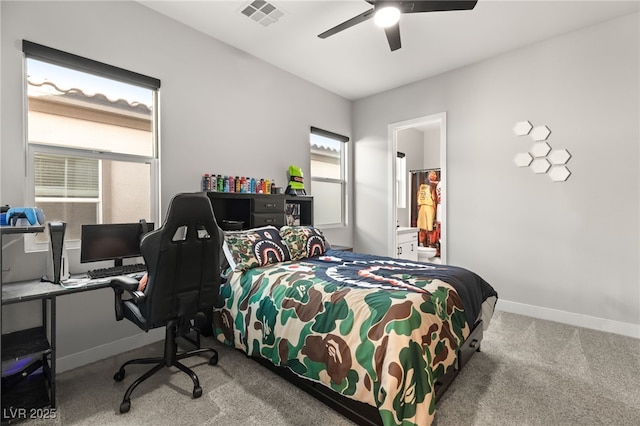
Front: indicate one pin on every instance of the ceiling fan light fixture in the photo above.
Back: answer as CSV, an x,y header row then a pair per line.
x,y
387,16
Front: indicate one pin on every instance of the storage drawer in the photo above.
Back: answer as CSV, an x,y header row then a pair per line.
x,y
268,204
264,219
408,237
470,345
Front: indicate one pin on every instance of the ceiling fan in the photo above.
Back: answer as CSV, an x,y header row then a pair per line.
x,y
387,15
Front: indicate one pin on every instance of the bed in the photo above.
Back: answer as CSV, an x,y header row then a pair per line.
x,y
375,337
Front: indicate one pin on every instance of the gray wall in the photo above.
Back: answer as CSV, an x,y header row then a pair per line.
x,y
222,111
563,251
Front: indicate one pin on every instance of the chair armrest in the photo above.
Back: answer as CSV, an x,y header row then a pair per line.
x,y
125,283
121,284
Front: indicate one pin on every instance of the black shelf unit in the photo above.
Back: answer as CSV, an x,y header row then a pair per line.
x,y
28,360
25,399
302,205
8,230
255,210
22,343
26,373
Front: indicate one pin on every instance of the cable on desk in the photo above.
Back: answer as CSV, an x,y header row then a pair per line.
x,y
75,282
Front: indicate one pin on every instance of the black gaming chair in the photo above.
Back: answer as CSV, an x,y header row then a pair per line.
x,y
182,259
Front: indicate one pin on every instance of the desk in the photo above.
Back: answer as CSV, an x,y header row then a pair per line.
x,y
24,291
30,349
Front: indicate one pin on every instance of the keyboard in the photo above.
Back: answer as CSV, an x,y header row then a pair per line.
x,y
114,271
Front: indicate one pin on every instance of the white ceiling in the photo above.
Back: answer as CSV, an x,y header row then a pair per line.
x,y
357,62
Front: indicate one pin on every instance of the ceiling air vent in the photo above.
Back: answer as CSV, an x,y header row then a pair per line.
x,y
262,12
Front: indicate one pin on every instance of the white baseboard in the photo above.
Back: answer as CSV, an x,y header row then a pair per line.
x,y
72,361
579,320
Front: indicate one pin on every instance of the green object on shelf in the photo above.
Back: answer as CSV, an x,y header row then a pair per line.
x,y
296,181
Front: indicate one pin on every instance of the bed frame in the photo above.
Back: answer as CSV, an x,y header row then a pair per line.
x,y
365,414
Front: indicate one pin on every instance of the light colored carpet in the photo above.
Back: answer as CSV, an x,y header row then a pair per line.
x,y
536,372
530,372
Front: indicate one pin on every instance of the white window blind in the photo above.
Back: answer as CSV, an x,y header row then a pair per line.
x,y
66,177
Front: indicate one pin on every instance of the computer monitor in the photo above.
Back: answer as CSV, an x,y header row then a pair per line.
x,y
112,241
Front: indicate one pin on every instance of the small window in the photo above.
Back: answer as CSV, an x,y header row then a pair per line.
x,y
91,141
327,172
401,180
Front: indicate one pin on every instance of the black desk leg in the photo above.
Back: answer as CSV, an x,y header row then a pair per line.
x,y
49,368
53,352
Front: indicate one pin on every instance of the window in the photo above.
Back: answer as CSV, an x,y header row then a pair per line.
x,y
328,182
401,180
91,141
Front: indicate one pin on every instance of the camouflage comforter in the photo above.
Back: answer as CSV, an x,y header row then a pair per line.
x,y
377,330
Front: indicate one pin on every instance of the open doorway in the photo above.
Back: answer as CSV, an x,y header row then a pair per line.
x,y
421,144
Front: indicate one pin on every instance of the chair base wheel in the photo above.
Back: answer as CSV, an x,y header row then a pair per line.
x,y
214,359
125,406
119,376
197,392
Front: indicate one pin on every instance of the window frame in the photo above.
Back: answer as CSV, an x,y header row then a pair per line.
x,y
46,54
343,174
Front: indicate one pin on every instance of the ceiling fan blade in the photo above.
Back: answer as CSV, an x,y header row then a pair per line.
x,y
348,24
436,6
393,36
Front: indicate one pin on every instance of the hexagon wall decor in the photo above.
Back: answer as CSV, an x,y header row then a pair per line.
x,y
559,156
540,149
540,165
541,158
523,159
540,133
522,128
559,173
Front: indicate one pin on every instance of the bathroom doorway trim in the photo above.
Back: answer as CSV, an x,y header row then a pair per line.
x,y
441,120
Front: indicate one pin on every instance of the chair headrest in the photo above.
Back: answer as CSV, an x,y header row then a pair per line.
x,y
189,210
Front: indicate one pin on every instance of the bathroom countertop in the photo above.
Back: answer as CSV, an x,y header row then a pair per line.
x,y
405,229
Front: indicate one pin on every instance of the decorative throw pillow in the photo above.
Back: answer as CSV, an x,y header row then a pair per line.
x,y
303,241
254,247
